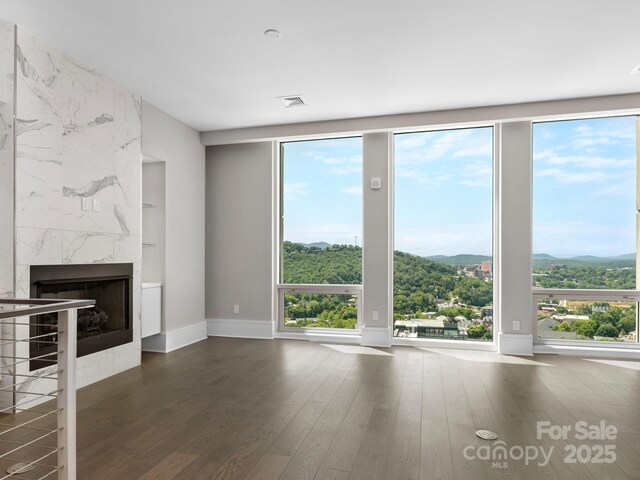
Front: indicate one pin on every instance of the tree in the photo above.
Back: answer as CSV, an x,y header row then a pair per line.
x,y
474,291
477,331
562,327
586,328
607,330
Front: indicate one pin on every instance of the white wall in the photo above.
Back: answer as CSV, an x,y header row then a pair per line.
x,y
168,140
239,197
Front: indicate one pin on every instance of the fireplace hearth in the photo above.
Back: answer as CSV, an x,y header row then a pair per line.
x,y
106,325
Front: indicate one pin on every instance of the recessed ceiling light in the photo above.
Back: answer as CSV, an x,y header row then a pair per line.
x,y
293,101
636,69
272,33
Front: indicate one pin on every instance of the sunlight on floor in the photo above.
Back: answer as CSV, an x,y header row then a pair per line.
x,y
486,357
357,350
630,364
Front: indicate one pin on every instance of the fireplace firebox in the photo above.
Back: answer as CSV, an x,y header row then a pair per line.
x,y
106,325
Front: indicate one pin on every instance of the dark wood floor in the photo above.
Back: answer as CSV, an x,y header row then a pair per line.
x,y
262,409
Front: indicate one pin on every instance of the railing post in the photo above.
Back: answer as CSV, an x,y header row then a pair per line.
x,y
67,327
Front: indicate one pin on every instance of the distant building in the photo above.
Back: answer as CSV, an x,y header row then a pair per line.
x,y
440,327
486,266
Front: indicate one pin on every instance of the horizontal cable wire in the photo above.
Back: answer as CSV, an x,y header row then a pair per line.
x,y
23,424
24,445
35,462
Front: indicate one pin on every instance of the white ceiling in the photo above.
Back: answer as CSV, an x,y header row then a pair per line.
x,y
209,64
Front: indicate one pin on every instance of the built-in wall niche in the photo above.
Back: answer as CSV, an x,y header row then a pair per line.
x,y
106,325
153,220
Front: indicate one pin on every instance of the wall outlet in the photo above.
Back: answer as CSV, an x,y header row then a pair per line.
x,y
516,325
236,309
96,205
85,204
375,315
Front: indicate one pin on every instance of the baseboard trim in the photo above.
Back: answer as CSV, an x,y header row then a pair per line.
x,y
166,342
515,344
376,337
219,327
349,339
451,344
588,352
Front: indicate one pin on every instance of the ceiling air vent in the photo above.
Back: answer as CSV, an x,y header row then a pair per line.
x,y
293,101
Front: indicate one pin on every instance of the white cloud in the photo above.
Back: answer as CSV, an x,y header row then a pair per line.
x,y
549,172
426,147
483,149
625,188
476,174
295,190
333,161
582,177
592,161
355,190
346,170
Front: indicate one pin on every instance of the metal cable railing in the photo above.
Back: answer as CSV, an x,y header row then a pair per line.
x,y
37,393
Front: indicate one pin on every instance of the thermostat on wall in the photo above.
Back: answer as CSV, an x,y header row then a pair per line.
x,y
376,183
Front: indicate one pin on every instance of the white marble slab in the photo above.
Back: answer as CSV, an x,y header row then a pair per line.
x,y
38,246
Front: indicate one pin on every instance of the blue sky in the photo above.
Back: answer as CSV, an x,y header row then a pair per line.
x,y
584,187
584,190
443,192
323,191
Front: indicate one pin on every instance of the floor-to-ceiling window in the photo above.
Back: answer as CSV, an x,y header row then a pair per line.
x,y
585,230
321,234
443,235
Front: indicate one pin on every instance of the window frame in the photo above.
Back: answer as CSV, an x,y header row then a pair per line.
x,y
495,237
587,293
591,295
283,288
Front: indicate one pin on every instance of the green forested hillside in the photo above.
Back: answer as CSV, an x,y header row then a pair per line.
x,y
418,282
336,264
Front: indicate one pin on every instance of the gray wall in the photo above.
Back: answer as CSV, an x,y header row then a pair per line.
x,y
238,212
166,139
514,242
376,268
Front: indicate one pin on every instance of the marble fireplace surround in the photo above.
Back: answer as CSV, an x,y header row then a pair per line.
x,y
77,182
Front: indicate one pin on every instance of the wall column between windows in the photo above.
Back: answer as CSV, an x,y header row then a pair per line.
x,y
376,271
514,243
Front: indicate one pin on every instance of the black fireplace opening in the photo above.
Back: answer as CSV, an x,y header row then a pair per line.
x,y
105,325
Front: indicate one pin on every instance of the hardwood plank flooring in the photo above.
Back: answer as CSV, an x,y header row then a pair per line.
x,y
241,409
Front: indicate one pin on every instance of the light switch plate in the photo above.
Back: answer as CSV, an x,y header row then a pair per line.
x,y
85,204
516,325
374,315
96,205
